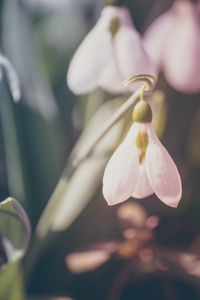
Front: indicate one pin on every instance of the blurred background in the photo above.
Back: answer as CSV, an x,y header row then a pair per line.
x,y
121,252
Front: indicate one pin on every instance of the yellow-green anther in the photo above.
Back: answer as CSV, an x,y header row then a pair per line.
x,y
142,143
114,2
114,26
142,112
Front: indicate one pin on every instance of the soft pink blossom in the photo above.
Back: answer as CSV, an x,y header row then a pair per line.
x,y
173,42
104,59
130,174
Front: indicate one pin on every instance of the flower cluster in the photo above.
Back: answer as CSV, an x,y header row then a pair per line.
x,y
114,50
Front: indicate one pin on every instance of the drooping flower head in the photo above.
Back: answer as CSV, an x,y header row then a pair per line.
x,y
141,165
112,51
173,43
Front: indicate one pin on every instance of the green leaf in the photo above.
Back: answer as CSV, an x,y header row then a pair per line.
x,y
15,232
11,282
193,141
14,223
20,48
74,192
157,100
14,156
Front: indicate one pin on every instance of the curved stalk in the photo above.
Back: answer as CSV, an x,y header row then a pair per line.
x,y
43,228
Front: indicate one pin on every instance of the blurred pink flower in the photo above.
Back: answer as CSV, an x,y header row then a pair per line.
x,y
111,52
173,43
140,167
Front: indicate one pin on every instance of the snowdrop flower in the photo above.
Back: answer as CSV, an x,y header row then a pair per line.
x,y
112,51
141,165
173,42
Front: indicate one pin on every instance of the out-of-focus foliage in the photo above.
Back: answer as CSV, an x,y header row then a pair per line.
x,y
91,169
193,143
15,236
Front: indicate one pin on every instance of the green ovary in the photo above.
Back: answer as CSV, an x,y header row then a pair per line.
x,y
114,26
142,143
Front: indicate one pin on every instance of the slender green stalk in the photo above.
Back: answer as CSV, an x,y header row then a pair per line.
x,y
74,162
14,162
43,230
120,281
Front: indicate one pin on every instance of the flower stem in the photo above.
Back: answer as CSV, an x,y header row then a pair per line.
x,y
74,162
147,86
43,231
120,281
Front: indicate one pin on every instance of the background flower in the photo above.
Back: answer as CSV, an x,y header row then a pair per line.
x,y
111,52
173,42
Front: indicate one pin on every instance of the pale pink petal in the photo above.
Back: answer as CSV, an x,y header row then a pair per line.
x,y
80,262
172,41
121,173
156,36
162,171
90,59
143,188
131,56
181,59
112,77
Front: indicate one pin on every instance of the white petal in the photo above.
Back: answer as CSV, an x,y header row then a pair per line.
x,y
143,188
121,173
111,79
113,75
131,56
162,171
90,59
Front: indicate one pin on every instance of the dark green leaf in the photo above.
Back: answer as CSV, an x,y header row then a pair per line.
x,y
15,232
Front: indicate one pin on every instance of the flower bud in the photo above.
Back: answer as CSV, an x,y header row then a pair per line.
x,y
114,2
142,112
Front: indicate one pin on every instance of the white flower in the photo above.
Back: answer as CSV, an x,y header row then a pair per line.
x,y
111,52
173,42
140,167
